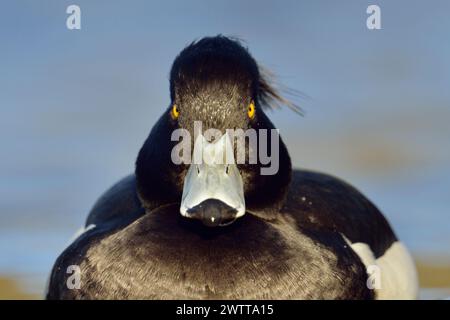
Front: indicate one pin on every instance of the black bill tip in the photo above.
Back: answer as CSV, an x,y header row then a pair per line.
x,y
213,213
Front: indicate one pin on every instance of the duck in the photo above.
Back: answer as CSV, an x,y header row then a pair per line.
x,y
198,229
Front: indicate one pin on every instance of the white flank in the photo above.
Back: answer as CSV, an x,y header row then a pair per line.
x,y
398,275
79,232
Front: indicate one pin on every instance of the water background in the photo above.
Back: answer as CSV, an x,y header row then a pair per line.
x,y
75,106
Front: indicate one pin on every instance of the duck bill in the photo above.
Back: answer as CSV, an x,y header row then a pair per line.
x,y
213,189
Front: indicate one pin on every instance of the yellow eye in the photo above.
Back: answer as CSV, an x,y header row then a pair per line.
x,y
251,110
174,113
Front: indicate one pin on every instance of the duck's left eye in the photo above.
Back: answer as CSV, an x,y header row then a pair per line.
x,y
251,110
174,112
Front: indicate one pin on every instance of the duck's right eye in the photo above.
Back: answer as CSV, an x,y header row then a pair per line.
x,y
174,112
251,110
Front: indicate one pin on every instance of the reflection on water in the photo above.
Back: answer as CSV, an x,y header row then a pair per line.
x,y
76,107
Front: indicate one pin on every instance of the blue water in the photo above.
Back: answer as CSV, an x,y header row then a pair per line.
x,y
77,105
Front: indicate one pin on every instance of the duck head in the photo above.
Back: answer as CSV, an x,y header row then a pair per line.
x,y
214,151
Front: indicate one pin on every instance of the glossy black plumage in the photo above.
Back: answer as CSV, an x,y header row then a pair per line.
x,y
289,244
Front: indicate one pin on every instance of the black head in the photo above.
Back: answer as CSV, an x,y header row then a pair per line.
x,y
216,81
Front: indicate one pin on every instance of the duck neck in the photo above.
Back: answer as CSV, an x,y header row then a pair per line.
x,y
265,194
159,180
